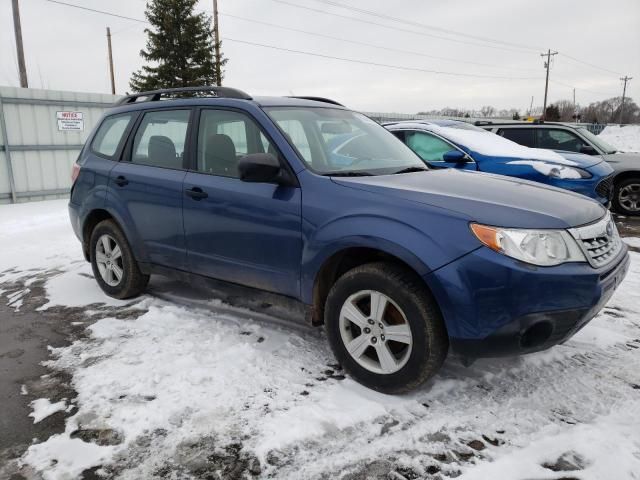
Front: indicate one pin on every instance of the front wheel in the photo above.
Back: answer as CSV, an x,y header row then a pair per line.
x,y
626,197
113,263
385,328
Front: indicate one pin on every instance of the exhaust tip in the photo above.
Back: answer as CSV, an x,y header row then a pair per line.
x,y
536,335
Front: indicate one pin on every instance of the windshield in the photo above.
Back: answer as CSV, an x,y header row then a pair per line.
x,y
333,141
598,142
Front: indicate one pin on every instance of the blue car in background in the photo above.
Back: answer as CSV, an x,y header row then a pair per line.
x,y
456,144
311,203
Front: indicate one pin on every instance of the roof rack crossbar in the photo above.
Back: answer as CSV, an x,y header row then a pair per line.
x,y
155,95
318,99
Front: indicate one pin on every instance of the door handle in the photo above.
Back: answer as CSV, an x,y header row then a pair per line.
x,y
196,193
121,181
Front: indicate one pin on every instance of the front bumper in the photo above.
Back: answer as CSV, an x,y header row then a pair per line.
x,y
496,306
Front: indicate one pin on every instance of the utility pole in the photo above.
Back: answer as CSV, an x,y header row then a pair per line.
x,y
547,65
531,106
113,81
575,111
216,39
624,93
17,28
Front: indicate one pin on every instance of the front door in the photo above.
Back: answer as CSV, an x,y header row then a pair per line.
x,y
246,233
148,185
432,150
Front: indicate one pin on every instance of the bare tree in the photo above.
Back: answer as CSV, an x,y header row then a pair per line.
x,y
487,111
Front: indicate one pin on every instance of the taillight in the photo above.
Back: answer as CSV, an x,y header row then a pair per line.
x,y
75,171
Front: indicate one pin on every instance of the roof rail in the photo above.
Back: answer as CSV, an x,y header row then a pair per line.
x,y
477,123
155,95
318,99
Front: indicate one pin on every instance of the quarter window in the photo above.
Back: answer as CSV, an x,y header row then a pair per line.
x,y
224,137
110,133
160,139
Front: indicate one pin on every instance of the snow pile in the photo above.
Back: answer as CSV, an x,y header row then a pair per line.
x,y
625,138
492,145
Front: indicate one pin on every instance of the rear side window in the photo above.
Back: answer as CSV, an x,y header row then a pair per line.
x,y
160,139
109,135
428,147
523,136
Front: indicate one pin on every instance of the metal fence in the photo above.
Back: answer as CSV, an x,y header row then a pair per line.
x,y
41,134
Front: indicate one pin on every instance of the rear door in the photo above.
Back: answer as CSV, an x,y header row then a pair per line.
x,y
147,185
246,233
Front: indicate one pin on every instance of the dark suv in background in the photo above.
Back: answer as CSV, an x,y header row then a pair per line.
x,y
569,138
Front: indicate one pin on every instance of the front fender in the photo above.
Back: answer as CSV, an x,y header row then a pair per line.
x,y
415,247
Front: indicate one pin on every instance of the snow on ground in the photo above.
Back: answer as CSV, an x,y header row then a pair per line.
x,y
193,390
42,408
625,138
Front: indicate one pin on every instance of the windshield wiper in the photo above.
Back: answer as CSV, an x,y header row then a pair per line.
x,y
411,169
347,173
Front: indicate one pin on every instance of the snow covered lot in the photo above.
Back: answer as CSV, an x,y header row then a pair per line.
x,y
179,386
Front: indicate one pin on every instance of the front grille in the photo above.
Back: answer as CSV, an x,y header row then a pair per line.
x,y
605,187
599,241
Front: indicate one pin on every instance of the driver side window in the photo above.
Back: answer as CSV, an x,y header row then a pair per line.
x,y
427,146
556,139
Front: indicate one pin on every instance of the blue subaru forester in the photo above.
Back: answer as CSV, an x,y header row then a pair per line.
x,y
398,262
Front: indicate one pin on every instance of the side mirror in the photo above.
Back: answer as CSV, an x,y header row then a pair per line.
x,y
259,168
454,156
588,150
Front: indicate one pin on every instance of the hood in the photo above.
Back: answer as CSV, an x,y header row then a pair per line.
x,y
623,161
486,198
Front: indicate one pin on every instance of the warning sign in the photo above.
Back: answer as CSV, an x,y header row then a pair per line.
x,y
70,121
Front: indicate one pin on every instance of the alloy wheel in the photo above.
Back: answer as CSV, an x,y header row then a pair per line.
x,y
375,332
109,260
629,197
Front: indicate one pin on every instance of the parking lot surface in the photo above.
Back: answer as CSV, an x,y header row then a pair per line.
x,y
177,384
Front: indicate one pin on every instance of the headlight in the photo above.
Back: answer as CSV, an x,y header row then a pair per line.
x,y
560,171
538,247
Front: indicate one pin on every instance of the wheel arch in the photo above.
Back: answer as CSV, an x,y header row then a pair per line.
x,y
347,257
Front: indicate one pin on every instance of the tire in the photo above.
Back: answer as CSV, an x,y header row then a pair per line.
x,y
626,196
125,279
410,311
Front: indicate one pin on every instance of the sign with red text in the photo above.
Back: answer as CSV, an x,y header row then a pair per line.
x,y
70,121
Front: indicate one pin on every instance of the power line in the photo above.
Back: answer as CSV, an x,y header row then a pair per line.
x,y
364,62
424,34
583,89
422,25
379,47
409,22
588,64
315,54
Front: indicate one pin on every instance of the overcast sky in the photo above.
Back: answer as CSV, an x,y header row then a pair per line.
x,y
66,49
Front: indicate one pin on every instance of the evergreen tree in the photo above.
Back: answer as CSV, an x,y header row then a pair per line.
x,y
179,48
552,114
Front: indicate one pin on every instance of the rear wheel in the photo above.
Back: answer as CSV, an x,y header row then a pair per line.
x,y
626,196
385,328
113,264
